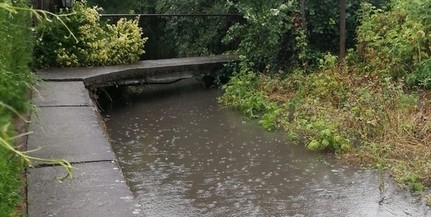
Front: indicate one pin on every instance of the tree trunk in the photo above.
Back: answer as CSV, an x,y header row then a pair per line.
x,y
303,22
342,4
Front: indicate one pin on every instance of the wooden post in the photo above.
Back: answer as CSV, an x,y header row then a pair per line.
x,y
303,22
47,5
342,30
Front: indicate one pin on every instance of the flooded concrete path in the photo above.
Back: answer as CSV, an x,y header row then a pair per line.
x,y
182,154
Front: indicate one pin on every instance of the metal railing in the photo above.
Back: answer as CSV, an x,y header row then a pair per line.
x,y
171,15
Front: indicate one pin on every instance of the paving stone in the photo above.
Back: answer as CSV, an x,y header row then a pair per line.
x,y
96,190
61,94
70,133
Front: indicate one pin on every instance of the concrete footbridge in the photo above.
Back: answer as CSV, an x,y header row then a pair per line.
x,y
160,71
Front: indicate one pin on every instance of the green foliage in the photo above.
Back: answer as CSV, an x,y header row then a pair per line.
x,y
413,182
421,76
270,35
312,123
15,81
194,36
94,43
262,34
328,61
10,168
396,40
326,137
274,34
15,53
241,93
271,118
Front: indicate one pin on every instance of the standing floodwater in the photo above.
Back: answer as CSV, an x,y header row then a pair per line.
x,y
184,155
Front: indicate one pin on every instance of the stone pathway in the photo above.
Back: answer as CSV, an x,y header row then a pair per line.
x,y
67,126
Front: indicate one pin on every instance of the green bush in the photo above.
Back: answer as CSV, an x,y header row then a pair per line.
x,y
421,76
396,40
92,43
241,92
261,36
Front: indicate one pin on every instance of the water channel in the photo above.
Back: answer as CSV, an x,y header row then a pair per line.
x,y
183,154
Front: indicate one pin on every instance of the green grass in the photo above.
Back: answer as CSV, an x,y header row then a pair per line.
x,y
11,171
15,82
10,183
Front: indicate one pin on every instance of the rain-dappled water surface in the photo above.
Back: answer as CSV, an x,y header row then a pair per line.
x,y
184,155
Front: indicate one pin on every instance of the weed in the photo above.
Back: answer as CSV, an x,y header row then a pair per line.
x,y
413,182
241,93
428,199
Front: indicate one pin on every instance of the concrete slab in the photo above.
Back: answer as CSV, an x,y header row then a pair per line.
x,y
76,73
61,94
96,190
70,133
83,73
177,68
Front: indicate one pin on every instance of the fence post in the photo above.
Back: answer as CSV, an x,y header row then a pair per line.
x,y
47,5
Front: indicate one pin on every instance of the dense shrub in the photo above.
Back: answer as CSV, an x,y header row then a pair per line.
x,y
263,32
396,40
241,92
193,36
91,42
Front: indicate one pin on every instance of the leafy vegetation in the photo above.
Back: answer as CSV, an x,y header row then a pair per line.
x,y
15,80
372,111
92,43
271,34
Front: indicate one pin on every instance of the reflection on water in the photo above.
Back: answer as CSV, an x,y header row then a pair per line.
x,y
184,155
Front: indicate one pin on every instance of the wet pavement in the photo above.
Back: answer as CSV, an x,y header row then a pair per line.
x,y
67,126
182,154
